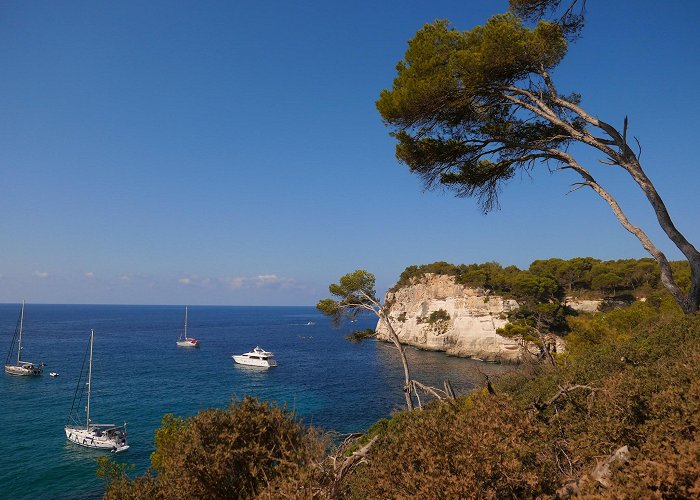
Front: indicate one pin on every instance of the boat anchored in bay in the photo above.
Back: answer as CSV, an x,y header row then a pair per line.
x,y
184,340
256,357
20,367
100,436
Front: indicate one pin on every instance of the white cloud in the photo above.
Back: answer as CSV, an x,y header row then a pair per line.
x,y
89,275
195,280
40,274
259,281
266,278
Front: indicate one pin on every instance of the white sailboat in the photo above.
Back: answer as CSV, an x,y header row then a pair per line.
x,y
101,436
21,367
184,340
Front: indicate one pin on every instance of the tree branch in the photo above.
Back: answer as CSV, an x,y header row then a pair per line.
x,y
659,256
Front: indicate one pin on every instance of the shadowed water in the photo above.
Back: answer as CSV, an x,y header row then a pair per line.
x,y
139,374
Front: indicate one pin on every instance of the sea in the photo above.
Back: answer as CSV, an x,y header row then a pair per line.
x,y
139,374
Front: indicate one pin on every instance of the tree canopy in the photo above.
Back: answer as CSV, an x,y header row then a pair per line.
x,y
547,280
469,109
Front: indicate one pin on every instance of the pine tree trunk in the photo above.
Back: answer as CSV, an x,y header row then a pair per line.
x,y
404,361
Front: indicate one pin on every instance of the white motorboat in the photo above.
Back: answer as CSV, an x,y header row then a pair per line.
x,y
101,436
256,357
53,374
184,340
20,367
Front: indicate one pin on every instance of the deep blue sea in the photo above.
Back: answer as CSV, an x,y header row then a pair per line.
x,y
139,374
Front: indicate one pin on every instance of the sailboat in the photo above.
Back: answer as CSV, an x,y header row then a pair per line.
x,y
20,367
101,436
183,340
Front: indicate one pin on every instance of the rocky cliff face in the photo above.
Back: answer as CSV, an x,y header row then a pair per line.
x,y
470,329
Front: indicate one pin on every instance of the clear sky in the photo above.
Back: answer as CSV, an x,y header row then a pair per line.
x,y
230,152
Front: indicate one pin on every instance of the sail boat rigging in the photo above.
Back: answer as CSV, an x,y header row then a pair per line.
x,y
183,340
20,367
101,436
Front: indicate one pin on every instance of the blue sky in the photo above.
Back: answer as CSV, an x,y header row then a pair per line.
x,y
230,152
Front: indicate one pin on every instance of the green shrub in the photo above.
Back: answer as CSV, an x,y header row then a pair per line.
x,y
360,335
437,316
231,453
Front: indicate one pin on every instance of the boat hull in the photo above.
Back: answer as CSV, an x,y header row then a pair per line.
x,y
261,363
91,438
188,343
24,370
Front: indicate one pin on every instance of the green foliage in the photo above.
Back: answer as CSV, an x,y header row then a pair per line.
x,y
607,282
357,336
445,109
354,285
437,316
570,274
232,453
354,293
535,289
551,279
114,473
540,319
520,329
166,439
541,289
441,60
568,17
412,273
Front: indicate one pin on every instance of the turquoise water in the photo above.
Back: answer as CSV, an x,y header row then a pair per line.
x,y
139,374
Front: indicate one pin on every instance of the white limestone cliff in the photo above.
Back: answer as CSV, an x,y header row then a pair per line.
x,y
470,330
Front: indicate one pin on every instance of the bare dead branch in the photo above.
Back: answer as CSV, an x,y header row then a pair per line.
x,y
428,389
449,391
600,473
639,146
342,470
578,185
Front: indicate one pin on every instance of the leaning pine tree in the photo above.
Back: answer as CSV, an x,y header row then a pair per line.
x,y
470,109
355,294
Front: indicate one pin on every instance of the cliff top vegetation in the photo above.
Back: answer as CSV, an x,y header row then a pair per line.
x,y
553,279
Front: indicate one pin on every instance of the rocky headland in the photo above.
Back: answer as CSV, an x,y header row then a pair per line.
x,y
435,313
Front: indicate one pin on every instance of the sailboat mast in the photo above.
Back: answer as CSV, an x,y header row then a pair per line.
x,y
21,326
87,417
185,321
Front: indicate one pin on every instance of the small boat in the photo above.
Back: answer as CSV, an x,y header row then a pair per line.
x,y
311,323
20,367
100,436
256,357
184,340
53,374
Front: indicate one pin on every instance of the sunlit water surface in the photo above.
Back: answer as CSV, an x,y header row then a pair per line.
x,y
139,374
